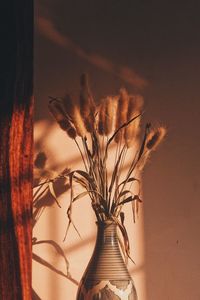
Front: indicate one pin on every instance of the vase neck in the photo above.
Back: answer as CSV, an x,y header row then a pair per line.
x,y
107,262
107,233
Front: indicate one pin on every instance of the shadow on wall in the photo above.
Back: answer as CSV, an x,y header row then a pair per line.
x,y
48,29
168,54
49,185
46,191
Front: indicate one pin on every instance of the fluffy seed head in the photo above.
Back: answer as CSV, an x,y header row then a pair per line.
x,y
68,105
109,115
134,109
78,122
71,132
73,112
57,110
155,137
87,104
132,131
101,119
122,110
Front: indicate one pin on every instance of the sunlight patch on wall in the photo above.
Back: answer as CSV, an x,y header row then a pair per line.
x,y
61,152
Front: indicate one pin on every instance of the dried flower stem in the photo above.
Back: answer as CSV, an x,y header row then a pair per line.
x,y
108,196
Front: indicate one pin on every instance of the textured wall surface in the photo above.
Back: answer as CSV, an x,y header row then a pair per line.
x,y
152,48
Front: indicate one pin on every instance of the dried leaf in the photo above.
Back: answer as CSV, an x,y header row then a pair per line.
x,y
125,237
122,217
148,125
123,193
130,199
81,195
131,179
83,174
69,210
51,189
115,171
135,209
81,181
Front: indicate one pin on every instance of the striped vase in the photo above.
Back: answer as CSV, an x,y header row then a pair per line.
x,y
106,277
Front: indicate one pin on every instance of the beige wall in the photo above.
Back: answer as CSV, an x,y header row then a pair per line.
x,y
166,241
52,224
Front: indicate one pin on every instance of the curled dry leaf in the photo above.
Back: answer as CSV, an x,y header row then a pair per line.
x,y
155,137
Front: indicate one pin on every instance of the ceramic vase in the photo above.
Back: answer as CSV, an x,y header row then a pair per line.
x,y
106,277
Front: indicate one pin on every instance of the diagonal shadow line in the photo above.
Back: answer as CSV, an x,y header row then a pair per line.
x,y
47,28
35,295
57,247
48,265
134,269
92,238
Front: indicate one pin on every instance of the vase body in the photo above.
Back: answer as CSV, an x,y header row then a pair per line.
x,y
106,277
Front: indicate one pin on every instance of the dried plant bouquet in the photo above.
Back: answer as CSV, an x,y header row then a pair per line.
x,y
95,129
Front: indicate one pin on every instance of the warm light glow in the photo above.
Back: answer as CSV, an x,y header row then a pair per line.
x,y
61,152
